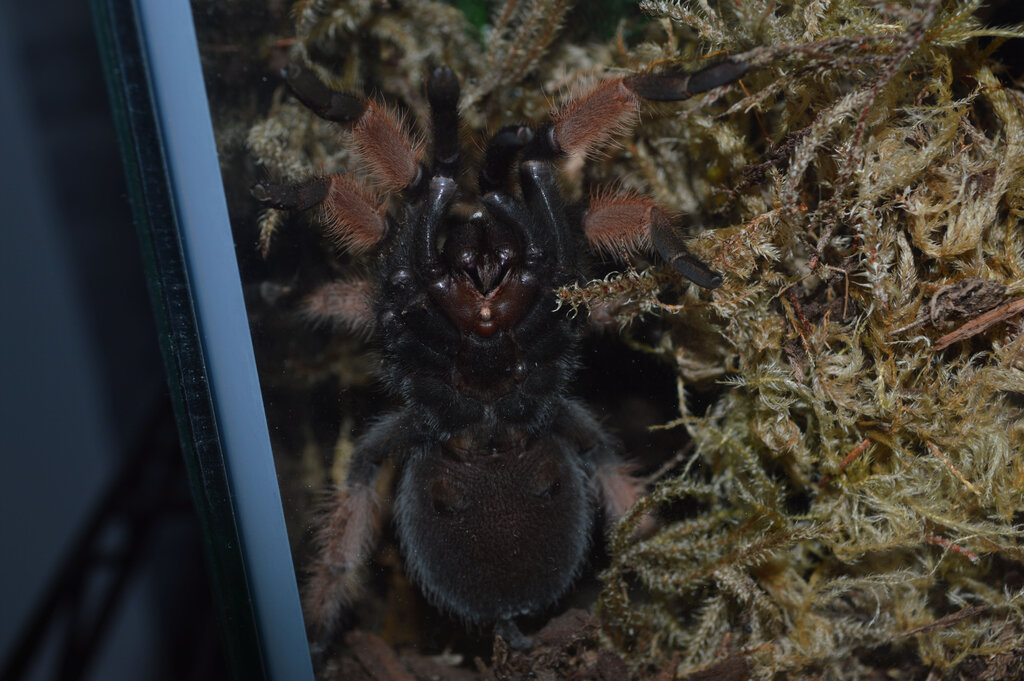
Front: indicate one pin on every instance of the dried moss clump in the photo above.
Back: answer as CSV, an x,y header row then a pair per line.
x,y
854,501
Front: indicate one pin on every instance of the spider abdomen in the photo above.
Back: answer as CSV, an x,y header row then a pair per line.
x,y
492,535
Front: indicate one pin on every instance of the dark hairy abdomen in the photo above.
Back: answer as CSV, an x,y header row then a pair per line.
x,y
496,533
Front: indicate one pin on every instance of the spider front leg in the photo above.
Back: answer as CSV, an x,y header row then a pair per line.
x,y
587,123
354,215
381,136
623,222
627,222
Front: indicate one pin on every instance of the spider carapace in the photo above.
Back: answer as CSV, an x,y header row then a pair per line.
x,y
500,468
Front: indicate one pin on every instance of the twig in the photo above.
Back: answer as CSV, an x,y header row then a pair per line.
x,y
953,469
848,459
979,324
670,464
951,546
946,621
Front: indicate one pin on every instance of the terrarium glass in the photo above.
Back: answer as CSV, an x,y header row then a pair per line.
x,y
832,437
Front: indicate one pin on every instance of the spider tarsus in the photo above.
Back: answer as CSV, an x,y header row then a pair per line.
x,y
297,196
713,76
501,151
509,632
321,99
443,88
688,265
443,94
673,86
670,245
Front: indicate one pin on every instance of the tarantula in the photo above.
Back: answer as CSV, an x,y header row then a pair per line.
x,y
500,467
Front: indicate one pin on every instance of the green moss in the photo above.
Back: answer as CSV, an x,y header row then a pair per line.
x,y
855,498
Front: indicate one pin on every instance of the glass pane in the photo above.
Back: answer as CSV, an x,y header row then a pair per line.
x,y
509,405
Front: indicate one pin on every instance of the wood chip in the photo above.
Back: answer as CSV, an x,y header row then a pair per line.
x,y
970,296
945,622
732,668
979,324
377,657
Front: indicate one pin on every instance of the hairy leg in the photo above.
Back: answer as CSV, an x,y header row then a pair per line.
x,y
380,134
588,123
612,477
343,303
624,222
349,530
346,536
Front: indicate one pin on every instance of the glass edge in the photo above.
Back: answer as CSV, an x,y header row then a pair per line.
x,y
129,83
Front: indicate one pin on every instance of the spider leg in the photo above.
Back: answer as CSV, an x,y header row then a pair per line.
x,y
354,215
673,86
540,191
326,103
349,531
438,198
344,303
626,222
299,196
443,95
509,631
501,150
380,135
345,537
587,123
590,122
672,248
613,478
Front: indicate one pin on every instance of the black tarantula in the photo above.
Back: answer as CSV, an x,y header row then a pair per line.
x,y
499,465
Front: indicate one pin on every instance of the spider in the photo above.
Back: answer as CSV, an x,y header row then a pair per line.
x,y
501,470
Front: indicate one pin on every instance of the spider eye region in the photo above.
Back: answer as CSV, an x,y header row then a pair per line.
x,y
486,287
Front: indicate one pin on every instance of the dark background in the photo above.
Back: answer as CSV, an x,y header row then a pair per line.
x,y
102,575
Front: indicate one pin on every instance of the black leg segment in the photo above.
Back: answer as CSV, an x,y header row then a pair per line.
x,y
671,247
501,151
545,202
511,213
438,197
320,99
673,86
299,196
443,95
